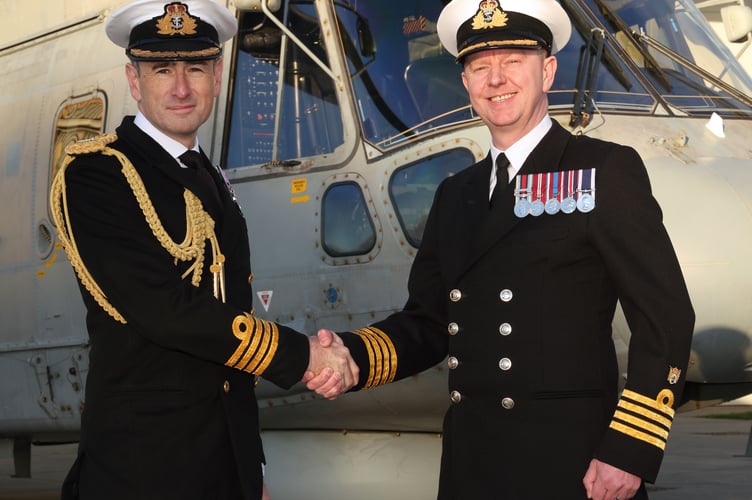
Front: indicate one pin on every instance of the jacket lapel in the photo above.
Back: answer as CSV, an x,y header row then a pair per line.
x,y
145,153
546,156
155,156
489,226
466,214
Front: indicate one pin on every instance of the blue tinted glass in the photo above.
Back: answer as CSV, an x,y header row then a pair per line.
x,y
670,43
609,79
409,84
284,106
346,225
412,189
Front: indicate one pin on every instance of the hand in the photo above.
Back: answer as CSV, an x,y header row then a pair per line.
x,y
606,482
331,370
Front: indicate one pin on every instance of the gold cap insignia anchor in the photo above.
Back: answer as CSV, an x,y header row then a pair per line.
x,y
489,16
176,21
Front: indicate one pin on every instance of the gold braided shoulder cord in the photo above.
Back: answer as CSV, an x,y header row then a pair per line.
x,y
199,225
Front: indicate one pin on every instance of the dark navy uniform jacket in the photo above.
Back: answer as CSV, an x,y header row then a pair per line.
x,y
170,407
523,308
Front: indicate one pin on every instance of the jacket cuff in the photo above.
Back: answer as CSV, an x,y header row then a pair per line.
x,y
636,438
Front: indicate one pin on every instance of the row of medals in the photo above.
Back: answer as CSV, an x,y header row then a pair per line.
x,y
565,191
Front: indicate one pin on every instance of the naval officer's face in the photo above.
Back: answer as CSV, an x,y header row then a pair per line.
x,y
176,96
507,88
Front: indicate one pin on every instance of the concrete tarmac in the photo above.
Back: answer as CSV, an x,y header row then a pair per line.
x,y
705,459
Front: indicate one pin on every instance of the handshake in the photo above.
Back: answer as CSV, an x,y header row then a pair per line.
x,y
331,369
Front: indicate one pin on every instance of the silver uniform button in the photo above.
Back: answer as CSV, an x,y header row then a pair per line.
x,y
505,364
453,363
507,403
505,329
455,396
455,295
505,295
453,328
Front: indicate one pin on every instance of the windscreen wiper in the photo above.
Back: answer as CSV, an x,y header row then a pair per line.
x,y
592,55
619,25
587,68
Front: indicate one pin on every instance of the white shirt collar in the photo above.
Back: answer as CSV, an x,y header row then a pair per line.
x,y
169,144
518,152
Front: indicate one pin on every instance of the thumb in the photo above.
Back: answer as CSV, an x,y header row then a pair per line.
x,y
326,337
589,479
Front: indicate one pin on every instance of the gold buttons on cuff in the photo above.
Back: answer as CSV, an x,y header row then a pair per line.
x,y
455,295
226,386
455,396
453,328
507,403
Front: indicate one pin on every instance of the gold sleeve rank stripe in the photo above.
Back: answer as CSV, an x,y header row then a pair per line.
x,y
661,432
382,356
643,418
259,340
642,436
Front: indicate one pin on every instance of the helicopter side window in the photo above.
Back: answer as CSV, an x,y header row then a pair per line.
x,y
284,105
346,225
413,186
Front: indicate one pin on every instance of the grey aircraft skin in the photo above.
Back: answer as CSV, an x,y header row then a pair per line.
x,y
336,122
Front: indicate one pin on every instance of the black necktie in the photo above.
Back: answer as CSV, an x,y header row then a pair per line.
x,y
502,177
195,161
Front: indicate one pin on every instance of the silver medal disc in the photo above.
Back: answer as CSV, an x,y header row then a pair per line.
x,y
552,206
586,203
522,208
568,205
537,208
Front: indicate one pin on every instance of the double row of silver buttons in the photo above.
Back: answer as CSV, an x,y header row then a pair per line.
x,y
505,329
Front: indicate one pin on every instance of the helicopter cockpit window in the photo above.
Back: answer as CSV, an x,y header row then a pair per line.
x,y
681,28
346,225
413,186
405,82
284,106
587,66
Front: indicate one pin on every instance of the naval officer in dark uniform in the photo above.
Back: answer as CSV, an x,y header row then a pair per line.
x,y
161,252
522,261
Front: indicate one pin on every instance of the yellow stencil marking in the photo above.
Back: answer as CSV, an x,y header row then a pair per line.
x,y
299,185
300,199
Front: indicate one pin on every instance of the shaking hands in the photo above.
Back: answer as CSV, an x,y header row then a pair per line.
x,y
331,370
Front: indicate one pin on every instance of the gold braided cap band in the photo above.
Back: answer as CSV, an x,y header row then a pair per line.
x,y
174,54
500,44
199,225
